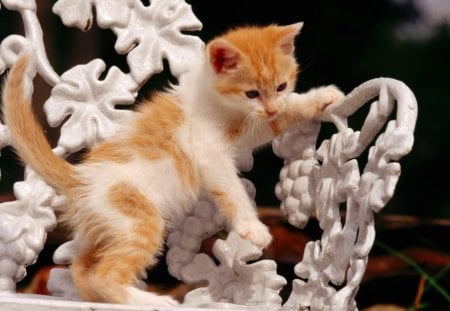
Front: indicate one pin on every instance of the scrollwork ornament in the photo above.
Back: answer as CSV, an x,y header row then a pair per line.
x,y
23,229
10,48
90,104
151,36
234,281
19,5
147,34
340,256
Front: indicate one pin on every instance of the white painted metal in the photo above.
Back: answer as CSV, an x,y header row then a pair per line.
x,y
321,181
313,180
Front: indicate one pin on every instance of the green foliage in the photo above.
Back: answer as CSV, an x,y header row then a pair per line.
x,y
432,281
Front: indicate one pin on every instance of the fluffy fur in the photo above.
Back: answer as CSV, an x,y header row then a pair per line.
x,y
130,188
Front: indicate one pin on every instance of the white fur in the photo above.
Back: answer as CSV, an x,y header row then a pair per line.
x,y
201,137
202,140
143,298
158,181
209,114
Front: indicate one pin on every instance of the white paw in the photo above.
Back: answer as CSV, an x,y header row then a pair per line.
x,y
143,298
254,231
166,301
326,96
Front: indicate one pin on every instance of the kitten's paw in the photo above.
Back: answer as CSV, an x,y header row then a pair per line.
x,y
254,231
166,301
143,298
326,96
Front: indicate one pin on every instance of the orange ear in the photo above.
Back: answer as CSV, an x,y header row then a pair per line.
x,y
224,56
287,41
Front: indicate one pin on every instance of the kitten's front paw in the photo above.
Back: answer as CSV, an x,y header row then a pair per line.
x,y
254,231
326,96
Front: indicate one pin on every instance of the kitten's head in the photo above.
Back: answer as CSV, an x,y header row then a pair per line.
x,y
253,67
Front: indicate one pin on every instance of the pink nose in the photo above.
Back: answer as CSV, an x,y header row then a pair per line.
x,y
271,112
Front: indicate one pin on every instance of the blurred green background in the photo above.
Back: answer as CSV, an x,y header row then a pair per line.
x,y
343,42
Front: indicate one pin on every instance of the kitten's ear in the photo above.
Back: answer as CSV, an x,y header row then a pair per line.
x,y
287,41
223,55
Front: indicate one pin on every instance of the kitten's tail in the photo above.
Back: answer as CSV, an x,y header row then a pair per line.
x,y
26,134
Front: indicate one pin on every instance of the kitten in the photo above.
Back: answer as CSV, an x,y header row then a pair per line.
x,y
130,188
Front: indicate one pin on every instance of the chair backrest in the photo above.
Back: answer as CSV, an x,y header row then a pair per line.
x,y
313,181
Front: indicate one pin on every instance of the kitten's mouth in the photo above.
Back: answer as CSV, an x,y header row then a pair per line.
x,y
265,116
271,118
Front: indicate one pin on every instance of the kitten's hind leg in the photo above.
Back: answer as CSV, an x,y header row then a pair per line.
x,y
124,249
81,270
116,274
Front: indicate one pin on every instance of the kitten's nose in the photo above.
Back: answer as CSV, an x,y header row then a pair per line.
x,y
270,106
271,112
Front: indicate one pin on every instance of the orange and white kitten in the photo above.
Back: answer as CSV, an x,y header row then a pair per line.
x,y
129,189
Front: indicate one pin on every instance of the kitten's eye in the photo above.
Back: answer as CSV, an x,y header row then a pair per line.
x,y
252,94
281,87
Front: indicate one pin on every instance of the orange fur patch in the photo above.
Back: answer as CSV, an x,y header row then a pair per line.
x,y
275,127
111,151
224,203
293,115
235,129
27,135
284,122
81,269
148,231
153,138
118,259
262,65
130,202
